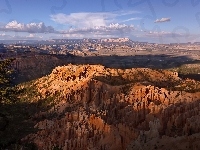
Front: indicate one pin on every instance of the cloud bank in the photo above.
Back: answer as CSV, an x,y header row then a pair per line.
x,y
30,28
89,19
5,36
85,25
103,30
98,24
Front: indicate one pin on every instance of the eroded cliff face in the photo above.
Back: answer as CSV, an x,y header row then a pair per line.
x,y
93,107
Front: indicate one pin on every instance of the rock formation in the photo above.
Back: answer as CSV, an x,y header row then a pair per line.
x,y
95,107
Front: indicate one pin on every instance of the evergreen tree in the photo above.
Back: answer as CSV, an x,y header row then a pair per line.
x,y
6,77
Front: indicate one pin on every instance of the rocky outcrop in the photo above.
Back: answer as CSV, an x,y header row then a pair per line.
x,y
101,108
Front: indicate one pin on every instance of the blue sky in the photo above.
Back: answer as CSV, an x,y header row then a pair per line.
x,y
159,21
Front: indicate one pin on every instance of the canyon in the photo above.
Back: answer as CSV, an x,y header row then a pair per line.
x,y
97,107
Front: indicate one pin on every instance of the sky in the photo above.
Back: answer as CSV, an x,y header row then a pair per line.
x,y
157,21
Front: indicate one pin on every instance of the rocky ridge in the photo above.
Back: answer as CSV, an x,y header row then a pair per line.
x,y
96,107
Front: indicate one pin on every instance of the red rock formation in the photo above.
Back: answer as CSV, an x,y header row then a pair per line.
x,y
95,112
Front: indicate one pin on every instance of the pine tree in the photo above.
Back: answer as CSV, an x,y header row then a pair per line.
x,y
6,77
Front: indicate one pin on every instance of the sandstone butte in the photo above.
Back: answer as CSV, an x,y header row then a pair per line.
x,y
100,108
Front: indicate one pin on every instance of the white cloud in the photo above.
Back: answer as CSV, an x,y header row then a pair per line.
x,y
81,19
90,24
30,36
30,28
113,30
110,31
78,25
83,24
155,34
2,34
162,20
88,19
22,36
